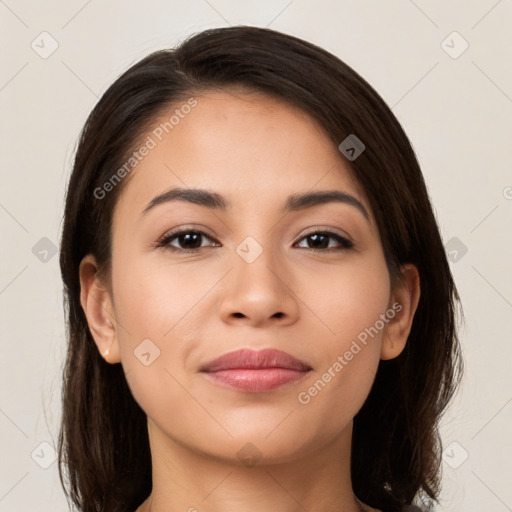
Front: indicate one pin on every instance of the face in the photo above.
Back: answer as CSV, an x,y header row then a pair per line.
x,y
253,268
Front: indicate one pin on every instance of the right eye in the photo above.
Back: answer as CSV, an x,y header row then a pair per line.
x,y
187,240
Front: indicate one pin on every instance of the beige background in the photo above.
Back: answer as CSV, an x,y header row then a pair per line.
x,y
456,108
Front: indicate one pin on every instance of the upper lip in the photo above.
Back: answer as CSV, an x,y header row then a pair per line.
x,y
255,359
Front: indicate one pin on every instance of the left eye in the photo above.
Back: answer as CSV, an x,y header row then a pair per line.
x,y
320,240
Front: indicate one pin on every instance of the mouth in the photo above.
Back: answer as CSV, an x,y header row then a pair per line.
x,y
255,371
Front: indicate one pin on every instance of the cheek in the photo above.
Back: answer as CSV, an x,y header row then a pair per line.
x,y
153,300
152,306
350,304
160,309
347,300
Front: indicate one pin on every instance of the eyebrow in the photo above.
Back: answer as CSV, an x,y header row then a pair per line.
x,y
294,202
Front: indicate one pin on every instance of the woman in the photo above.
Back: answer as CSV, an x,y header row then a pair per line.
x,y
260,311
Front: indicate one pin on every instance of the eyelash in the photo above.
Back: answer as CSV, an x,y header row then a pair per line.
x,y
164,242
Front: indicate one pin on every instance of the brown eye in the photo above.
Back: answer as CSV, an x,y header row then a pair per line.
x,y
322,240
186,240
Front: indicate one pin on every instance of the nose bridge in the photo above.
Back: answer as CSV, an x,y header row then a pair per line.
x,y
258,290
256,264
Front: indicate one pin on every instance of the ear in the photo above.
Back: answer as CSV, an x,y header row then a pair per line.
x,y
98,308
404,301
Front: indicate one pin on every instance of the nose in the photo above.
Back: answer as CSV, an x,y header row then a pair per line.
x,y
259,293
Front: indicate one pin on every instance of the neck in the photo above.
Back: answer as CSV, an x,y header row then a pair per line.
x,y
185,480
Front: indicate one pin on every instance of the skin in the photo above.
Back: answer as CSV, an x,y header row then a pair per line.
x,y
255,151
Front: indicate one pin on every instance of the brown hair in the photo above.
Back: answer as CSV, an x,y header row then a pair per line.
x,y
396,446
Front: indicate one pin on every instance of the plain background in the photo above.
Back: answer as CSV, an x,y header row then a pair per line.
x,y
455,106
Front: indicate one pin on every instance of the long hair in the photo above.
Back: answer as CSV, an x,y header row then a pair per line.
x,y
104,454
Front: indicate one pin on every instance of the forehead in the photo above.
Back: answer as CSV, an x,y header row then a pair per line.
x,y
248,146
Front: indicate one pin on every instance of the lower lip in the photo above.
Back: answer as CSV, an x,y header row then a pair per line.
x,y
255,380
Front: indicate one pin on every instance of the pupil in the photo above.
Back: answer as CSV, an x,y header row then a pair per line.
x,y
315,239
185,239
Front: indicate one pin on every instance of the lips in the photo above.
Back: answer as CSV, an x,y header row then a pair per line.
x,y
255,371
252,359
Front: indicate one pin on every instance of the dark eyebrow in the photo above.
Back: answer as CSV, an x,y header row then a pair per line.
x,y
192,195
301,201
295,202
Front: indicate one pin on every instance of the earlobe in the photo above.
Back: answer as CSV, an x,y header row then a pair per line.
x,y
97,305
404,302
